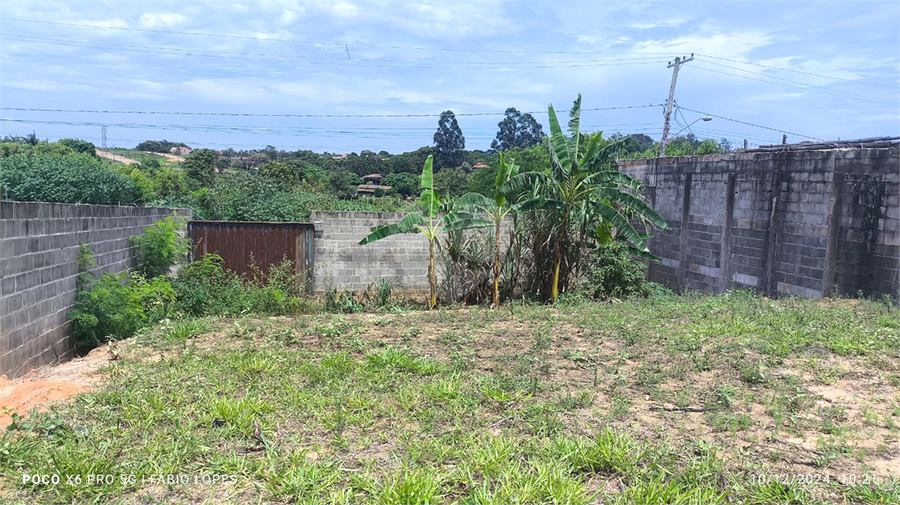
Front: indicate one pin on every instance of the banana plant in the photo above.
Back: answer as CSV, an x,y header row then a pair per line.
x,y
583,182
429,223
496,209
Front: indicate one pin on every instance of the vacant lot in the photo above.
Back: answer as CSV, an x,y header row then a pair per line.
x,y
730,399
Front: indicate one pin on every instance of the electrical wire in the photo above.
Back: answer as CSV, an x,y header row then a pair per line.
x,y
798,71
339,45
752,124
806,86
380,63
831,94
251,114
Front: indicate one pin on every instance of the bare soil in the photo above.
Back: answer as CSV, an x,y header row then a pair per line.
x,y
43,386
115,157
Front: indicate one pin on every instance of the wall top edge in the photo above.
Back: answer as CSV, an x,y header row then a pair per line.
x,y
769,155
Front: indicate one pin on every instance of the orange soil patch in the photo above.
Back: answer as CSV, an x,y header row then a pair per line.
x,y
44,385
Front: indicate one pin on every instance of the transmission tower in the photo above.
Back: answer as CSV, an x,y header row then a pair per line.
x,y
103,137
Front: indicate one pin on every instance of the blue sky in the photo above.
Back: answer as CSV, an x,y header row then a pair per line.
x,y
819,70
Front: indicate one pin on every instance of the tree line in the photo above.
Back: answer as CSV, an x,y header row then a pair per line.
x,y
277,185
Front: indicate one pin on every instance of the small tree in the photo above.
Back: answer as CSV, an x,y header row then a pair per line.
x,y
517,130
428,223
79,146
160,247
496,208
584,186
449,142
200,165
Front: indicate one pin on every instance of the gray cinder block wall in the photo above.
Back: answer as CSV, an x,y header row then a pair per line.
x,y
808,223
39,245
341,262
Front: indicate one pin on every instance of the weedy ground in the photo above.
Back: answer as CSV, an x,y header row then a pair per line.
x,y
691,399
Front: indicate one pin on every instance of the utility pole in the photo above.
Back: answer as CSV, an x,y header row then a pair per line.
x,y
676,64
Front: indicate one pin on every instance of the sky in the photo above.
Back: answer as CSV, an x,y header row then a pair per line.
x,y
342,76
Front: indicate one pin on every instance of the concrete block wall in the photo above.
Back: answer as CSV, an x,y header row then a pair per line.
x,y
39,245
805,223
341,262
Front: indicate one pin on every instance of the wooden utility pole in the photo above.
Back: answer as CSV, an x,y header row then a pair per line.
x,y
676,64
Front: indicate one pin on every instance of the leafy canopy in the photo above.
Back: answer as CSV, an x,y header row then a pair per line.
x,y
449,142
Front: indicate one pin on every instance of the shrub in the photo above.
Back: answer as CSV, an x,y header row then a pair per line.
x,y
79,146
205,287
160,247
115,306
612,273
342,302
383,290
65,178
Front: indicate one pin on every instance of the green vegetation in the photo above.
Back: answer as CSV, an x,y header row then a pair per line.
x,y
429,223
158,146
581,196
611,273
205,288
44,174
160,247
115,306
589,403
497,210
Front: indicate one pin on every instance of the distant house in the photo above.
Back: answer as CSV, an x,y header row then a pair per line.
x,y
372,179
181,151
480,165
342,156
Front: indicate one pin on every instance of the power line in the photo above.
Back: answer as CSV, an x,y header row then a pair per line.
x,y
371,133
339,61
752,124
799,71
252,114
297,41
804,87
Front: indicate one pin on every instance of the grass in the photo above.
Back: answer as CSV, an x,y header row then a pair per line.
x,y
664,400
144,157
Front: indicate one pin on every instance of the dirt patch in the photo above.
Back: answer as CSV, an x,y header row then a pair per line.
x,y
116,157
42,386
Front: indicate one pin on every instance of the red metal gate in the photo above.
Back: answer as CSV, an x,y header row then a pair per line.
x,y
243,244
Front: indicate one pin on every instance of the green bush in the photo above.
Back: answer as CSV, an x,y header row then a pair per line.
x,y
206,288
65,178
79,146
115,306
160,247
612,273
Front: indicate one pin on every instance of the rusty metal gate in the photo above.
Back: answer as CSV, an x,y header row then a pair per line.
x,y
244,244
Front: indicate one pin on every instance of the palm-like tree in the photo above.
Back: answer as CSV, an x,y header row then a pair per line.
x,y
585,186
428,222
496,209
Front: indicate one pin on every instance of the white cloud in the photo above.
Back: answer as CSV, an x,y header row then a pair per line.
x,y
728,45
673,22
226,90
101,23
160,19
340,9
